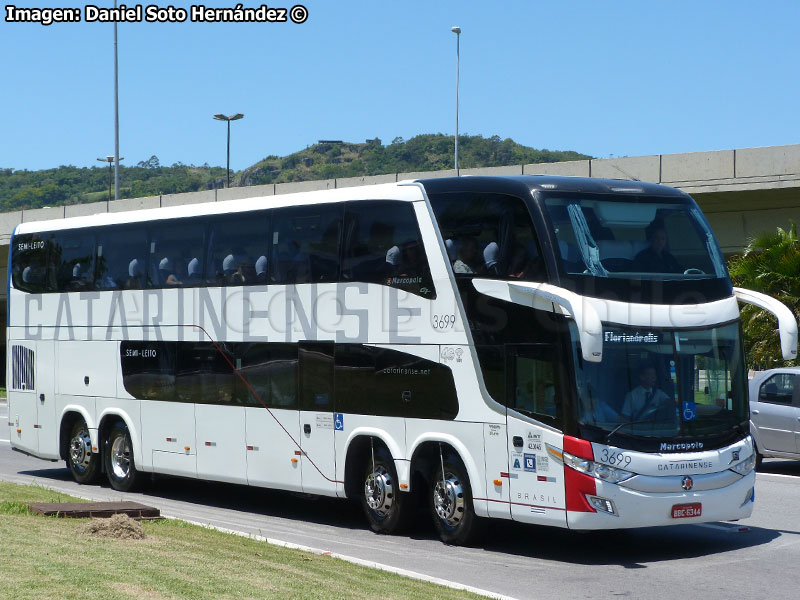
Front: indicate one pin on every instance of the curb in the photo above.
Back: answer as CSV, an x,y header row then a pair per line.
x,y
357,561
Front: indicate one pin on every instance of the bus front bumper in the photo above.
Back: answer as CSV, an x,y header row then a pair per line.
x,y
628,508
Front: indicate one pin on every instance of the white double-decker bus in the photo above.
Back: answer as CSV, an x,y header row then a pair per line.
x,y
559,351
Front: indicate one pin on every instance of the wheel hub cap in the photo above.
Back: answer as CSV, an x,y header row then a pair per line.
x,y
120,458
80,449
448,500
379,492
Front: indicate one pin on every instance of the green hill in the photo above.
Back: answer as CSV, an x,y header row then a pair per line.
x,y
430,152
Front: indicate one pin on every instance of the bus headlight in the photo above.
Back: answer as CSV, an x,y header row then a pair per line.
x,y
584,465
611,474
746,466
599,471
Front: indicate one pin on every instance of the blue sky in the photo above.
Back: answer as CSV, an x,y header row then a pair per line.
x,y
612,78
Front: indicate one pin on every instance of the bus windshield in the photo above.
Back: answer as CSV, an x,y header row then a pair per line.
x,y
663,385
634,238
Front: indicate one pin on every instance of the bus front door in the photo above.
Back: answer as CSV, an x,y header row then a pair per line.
x,y
536,481
46,399
23,424
316,417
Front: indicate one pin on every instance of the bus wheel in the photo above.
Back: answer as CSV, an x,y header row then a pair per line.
x,y
82,462
382,501
451,503
120,469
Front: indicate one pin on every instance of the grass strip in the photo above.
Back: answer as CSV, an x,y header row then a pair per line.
x,y
48,557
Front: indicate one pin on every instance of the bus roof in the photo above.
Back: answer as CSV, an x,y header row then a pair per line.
x,y
404,191
518,184
407,190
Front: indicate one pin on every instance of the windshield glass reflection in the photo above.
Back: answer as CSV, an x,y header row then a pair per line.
x,y
641,238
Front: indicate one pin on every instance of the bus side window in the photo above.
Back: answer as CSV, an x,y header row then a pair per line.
x,y
282,373
414,387
238,250
30,270
72,256
305,244
379,381
173,247
253,362
268,374
492,362
148,369
203,374
382,244
354,379
121,253
316,375
534,380
489,235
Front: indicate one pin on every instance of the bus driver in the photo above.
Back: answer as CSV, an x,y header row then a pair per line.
x,y
645,399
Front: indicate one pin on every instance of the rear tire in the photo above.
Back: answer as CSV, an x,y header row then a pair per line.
x,y
451,504
120,467
82,462
384,506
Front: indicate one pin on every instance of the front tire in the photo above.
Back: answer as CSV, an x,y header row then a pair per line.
x,y
120,467
82,462
383,504
451,504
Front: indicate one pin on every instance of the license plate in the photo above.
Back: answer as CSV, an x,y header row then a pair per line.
x,y
683,511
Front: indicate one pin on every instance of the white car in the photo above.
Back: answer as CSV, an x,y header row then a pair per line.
x,y
775,413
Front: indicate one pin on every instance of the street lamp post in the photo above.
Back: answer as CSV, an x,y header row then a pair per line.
x,y
116,115
457,31
111,160
228,119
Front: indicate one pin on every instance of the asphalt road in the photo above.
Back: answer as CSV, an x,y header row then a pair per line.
x,y
685,561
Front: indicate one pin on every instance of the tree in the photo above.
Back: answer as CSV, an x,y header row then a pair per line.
x,y
770,264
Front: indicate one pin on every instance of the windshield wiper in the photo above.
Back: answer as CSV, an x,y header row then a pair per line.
x,y
621,425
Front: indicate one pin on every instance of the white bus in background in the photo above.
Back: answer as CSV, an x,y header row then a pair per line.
x,y
525,348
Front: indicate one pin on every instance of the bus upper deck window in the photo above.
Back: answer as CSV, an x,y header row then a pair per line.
x,y
382,244
489,235
30,269
305,244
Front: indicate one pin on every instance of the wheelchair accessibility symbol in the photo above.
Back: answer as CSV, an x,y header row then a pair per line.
x,y
689,411
338,422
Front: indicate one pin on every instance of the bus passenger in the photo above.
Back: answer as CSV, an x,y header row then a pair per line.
x,y
452,249
490,257
467,261
195,270
228,266
394,258
134,281
80,278
167,274
261,270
